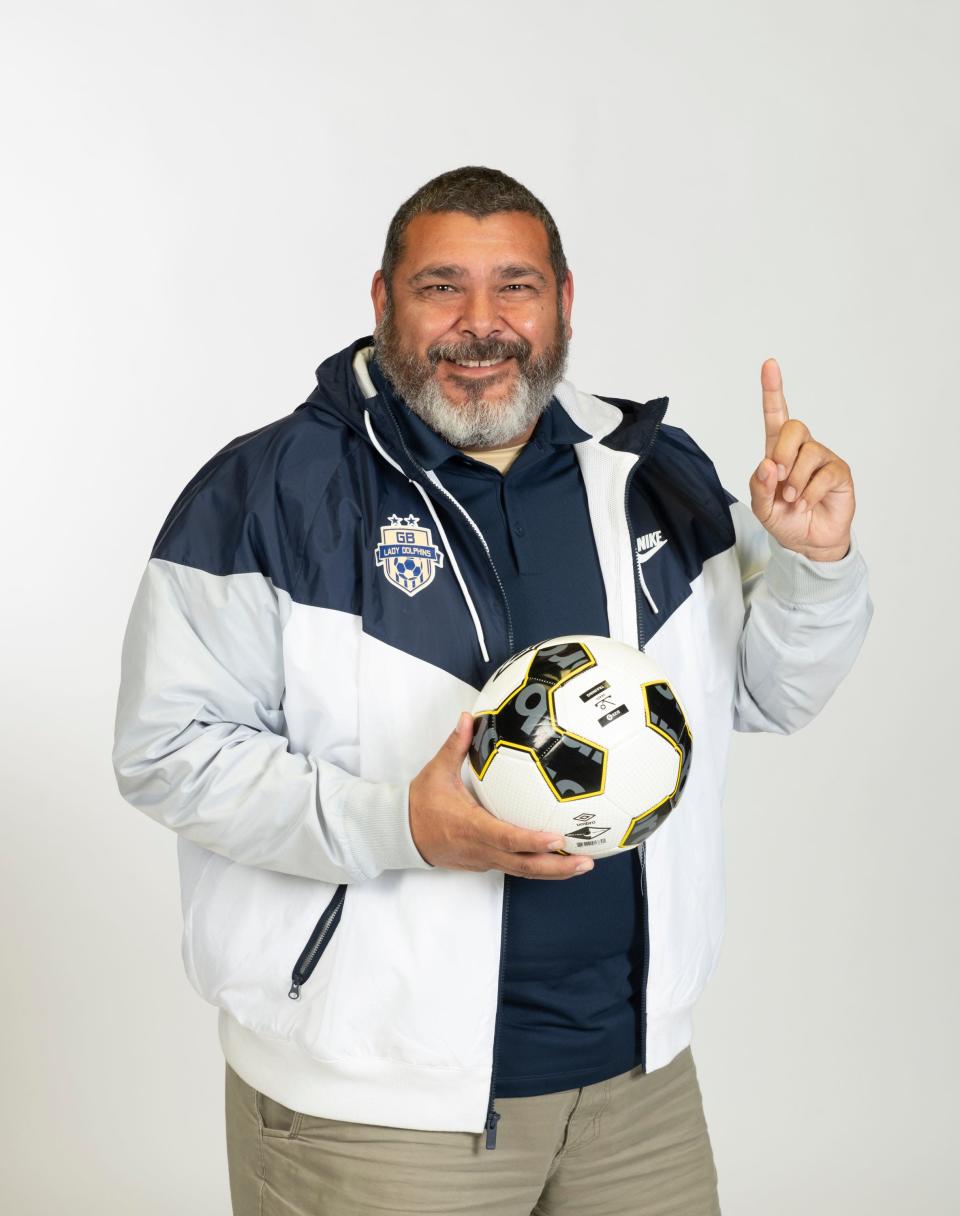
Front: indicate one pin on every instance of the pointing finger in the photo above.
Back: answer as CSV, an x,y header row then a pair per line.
x,y
774,403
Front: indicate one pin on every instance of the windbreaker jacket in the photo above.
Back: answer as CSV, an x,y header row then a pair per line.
x,y
283,680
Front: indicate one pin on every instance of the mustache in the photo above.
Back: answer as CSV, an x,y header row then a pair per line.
x,y
493,348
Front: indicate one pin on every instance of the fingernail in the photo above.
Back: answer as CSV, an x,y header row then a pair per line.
x,y
789,493
781,471
583,867
555,844
762,470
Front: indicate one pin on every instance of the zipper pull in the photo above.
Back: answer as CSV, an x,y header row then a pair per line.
x,y
294,993
491,1128
643,864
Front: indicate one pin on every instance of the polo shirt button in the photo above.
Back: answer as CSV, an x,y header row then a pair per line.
x,y
518,529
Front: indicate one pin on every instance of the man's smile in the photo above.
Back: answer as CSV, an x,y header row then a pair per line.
x,y
475,369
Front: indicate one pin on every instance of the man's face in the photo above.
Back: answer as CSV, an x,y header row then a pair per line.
x,y
468,290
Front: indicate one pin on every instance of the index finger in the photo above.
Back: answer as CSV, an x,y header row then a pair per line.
x,y
511,838
774,403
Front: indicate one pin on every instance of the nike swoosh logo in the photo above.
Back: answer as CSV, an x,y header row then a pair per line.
x,y
647,554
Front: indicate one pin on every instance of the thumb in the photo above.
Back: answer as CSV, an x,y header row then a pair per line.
x,y
763,489
458,741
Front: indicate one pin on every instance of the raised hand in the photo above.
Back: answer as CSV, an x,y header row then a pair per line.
x,y
801,492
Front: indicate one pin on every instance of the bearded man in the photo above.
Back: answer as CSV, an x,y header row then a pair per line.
x,y
404,981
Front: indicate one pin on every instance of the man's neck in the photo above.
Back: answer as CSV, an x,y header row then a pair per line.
x,y
499,458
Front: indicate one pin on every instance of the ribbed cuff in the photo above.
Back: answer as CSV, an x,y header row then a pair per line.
x,y
798,579
376,821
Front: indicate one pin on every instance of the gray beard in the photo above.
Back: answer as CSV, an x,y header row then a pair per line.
x,y
476,422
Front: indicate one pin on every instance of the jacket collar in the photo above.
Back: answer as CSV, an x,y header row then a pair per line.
x,y
430,450
345,387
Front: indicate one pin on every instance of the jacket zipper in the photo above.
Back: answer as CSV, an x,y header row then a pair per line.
x,y
317,942
493,1116
646,956
641,640
634,555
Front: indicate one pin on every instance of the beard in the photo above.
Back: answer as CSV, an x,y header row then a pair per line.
x,y
477,421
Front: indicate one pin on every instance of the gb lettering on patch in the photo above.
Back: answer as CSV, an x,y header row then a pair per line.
x,y
407,555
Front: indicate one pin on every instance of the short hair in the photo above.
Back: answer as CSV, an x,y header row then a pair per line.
x,y
478,191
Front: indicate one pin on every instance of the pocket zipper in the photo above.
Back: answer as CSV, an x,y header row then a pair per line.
x,y
317,942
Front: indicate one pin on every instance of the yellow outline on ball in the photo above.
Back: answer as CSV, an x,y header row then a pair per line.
x,y
522,747
673,743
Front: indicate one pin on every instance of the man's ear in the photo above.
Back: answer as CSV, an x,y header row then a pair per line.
x,y
566,301
378,293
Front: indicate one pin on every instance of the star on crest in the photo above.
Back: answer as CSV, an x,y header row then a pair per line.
x,y
412,521
395,521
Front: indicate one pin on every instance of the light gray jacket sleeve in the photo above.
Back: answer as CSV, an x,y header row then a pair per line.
x,y
199,741
804,624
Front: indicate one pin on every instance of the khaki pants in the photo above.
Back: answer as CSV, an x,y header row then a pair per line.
x,y
636,1144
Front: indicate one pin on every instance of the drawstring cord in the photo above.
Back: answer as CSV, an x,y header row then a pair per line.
x,y
643,582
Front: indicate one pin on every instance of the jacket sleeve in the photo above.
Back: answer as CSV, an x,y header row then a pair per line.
x,y
199,740
804,624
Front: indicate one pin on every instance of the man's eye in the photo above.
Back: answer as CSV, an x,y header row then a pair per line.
x,y
522,286
440,287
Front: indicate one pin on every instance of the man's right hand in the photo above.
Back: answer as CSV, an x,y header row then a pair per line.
x,y
451,829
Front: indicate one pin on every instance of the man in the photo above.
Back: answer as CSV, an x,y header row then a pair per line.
x,y
393,980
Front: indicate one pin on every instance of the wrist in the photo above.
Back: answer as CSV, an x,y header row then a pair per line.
x,y
833,553
807,578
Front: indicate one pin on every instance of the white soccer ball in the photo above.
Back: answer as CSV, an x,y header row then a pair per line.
x,y
583,736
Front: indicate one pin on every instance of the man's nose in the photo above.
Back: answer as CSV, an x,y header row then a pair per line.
x,y
480,317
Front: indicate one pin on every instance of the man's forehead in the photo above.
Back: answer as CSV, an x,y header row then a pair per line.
x,y
499,240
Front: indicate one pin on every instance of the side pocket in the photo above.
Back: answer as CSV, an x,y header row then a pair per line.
x,y
317,942
275,1119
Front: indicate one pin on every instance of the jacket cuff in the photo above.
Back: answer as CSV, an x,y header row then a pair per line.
x,y
797,579
376,822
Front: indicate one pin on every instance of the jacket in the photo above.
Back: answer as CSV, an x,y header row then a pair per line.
x,y
283,680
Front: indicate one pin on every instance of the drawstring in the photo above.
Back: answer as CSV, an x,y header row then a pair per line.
x,y
456,571
443,536
643,582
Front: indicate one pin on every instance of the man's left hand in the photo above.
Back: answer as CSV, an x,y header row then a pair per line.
x,y
801,492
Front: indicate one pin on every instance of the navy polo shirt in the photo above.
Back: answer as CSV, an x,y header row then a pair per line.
x,y
570,1012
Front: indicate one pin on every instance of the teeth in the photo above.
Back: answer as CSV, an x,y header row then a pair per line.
x,y
477,362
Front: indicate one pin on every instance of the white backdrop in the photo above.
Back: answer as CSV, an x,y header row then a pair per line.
x,y
195,199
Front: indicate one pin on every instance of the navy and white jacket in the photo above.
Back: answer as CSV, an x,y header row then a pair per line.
x,y
283,679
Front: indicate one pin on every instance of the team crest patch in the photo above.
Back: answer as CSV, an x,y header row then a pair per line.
x,y
407,554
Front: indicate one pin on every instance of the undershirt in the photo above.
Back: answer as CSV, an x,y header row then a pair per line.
x,y
500,458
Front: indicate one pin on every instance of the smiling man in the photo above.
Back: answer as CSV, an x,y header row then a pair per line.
x,y
403,981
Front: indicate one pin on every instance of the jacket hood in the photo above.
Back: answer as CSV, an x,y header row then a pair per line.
x,y
337,390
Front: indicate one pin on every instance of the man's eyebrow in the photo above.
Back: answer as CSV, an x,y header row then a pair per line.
x,y
514,270
437,272
519,270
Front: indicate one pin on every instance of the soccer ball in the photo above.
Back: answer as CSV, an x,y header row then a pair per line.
x,y
584,736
